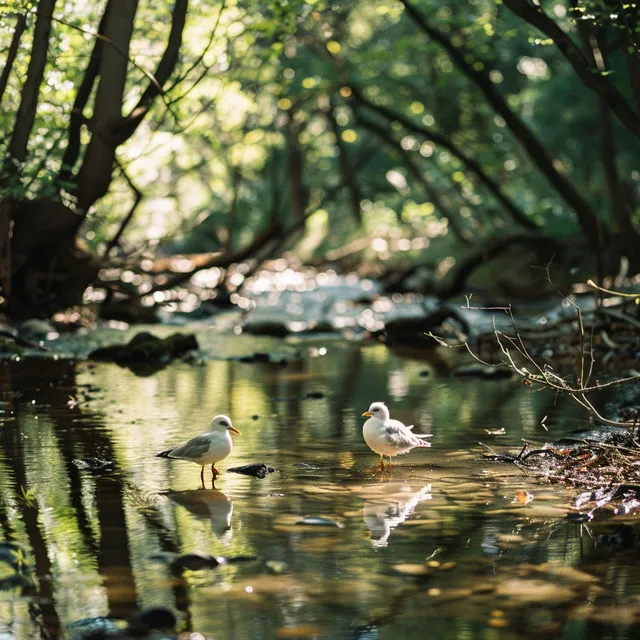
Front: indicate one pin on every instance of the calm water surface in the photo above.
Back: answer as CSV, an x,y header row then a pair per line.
x,y
444,545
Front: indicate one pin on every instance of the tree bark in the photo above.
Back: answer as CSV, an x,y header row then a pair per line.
x,y
110,128
125,129
76,118
31,89
590,76
21,25
95,174
540,156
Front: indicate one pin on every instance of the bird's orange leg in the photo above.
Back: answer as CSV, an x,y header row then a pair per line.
x,y
390,463
202,476
214,474
381,465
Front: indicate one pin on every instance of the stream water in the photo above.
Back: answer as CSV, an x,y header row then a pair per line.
x,y
444,545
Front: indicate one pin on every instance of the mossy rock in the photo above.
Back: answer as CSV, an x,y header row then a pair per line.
x,y
145,349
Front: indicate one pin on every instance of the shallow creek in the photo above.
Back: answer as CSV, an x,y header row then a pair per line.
x,y
444,545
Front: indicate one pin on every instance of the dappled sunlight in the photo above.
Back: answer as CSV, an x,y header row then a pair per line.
x,y
327,528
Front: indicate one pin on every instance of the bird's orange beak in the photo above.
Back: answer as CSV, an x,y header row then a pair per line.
x,y
366,414
233,429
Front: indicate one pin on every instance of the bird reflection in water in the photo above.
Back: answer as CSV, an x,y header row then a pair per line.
x,y
209,504
388,505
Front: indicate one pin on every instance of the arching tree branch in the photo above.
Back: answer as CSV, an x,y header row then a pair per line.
x,y
537,152
590,76
472,165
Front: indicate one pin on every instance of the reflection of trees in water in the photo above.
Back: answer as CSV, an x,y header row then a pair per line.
x,y
84,512
96,501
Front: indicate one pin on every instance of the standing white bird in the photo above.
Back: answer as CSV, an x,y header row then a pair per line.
x,y
389,437
209,448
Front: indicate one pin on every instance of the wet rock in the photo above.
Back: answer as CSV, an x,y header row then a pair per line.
x,y
263,322
257,357
146,351
196,562
151,619
94,628
256,470
318,521
93,464
199,561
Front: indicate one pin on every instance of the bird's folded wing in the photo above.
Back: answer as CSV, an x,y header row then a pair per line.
x,y
195,448
398,435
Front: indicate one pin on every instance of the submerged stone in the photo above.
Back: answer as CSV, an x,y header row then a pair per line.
x,y
255,470
318,521
153,618
196,561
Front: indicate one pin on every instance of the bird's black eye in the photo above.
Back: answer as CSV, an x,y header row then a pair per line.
x,y
376,409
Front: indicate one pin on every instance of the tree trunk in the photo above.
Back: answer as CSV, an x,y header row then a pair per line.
x,y
31,89
94,176
21,25
76,118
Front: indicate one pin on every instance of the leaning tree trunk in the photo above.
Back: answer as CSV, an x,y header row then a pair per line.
x,y
94,177
21,25
50,271
31,88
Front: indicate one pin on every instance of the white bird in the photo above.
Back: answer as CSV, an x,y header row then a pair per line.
x,y
209,448
389,437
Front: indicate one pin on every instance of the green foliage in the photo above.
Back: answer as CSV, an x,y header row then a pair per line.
x,y
213,156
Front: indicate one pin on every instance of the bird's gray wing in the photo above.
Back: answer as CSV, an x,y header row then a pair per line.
x,y
399,436
195,448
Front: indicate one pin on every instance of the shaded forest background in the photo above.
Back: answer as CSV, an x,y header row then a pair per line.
x,y
411,140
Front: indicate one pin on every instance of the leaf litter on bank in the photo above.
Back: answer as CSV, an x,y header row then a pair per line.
x,y
605,468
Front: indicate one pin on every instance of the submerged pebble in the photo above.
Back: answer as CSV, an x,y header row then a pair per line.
x,y
318,521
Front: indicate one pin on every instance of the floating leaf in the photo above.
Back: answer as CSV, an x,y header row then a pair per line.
x,y
523,497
